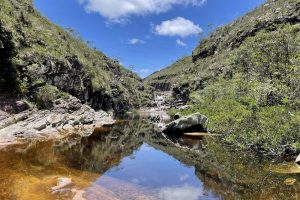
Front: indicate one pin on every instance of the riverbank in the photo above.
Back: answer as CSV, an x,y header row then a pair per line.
x,y
20,121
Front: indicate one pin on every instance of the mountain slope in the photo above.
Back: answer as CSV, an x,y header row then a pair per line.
x,y
41,60
246,78
208,58
167,77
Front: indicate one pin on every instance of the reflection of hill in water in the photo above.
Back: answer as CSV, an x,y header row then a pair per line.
x,y
28,171
232,175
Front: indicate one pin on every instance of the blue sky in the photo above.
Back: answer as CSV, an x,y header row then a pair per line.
x,y
147,35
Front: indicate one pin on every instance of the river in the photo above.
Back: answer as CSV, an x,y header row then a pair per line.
x,y
131,161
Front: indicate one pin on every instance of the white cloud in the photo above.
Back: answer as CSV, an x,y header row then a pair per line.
x,y
134,41
180,43
178,27
184,177
179,193
145,70
120,10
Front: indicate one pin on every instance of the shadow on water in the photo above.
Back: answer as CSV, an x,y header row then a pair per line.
x,y
131,161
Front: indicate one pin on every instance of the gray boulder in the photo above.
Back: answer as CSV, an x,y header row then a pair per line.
x,y
192,123
3,115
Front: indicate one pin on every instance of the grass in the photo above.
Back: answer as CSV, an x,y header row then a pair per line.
x,y
37,38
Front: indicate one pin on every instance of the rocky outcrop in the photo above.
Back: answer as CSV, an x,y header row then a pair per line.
x,y
68,116
192,123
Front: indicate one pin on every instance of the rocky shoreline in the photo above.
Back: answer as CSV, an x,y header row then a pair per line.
x,y
22,122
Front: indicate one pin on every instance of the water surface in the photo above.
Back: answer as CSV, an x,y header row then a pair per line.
x,y
130,161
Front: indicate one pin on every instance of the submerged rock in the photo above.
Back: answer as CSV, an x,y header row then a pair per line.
x,y
61,183
290,181
192,123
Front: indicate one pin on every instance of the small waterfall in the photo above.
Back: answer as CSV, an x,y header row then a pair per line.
x,y
159,100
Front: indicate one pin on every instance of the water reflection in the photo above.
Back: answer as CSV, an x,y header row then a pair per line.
x,y
180,193
131,161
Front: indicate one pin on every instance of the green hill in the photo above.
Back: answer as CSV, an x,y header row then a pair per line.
x,y
41,61
245,77
167,77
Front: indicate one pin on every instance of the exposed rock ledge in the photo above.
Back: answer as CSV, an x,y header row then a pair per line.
x,y
20,122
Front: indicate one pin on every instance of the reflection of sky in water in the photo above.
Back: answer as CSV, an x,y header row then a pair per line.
x,y
156,170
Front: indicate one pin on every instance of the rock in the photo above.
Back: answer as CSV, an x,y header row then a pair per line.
x,y
68,127
75,123
185,107
87,115
40,125
34,124
87,119
192,123
298,160
62,183
67,104
3,115
21,106
55,119
79,194
290,181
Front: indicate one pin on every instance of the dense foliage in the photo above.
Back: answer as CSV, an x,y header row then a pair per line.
x,y
257,106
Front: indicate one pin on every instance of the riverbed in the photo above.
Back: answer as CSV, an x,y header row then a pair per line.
x,y
131,161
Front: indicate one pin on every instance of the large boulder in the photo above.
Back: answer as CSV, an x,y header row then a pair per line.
x,y
192,123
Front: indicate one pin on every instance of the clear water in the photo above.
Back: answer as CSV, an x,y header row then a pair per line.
x,y
159,173
131,161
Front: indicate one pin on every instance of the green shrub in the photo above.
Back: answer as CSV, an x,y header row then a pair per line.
x,y
238,109
46,95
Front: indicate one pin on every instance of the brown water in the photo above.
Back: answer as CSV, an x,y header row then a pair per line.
x,y
132,162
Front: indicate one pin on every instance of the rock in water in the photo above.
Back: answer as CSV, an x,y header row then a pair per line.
x,y
62,183
298,160
192,123
290,181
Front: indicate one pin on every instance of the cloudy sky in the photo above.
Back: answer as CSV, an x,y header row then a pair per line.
x,y
146,35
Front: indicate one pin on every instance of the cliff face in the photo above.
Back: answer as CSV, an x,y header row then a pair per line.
x,y
36,54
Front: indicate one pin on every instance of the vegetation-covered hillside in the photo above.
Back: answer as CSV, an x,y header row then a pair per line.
x,y
246,78
167,77
42,61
